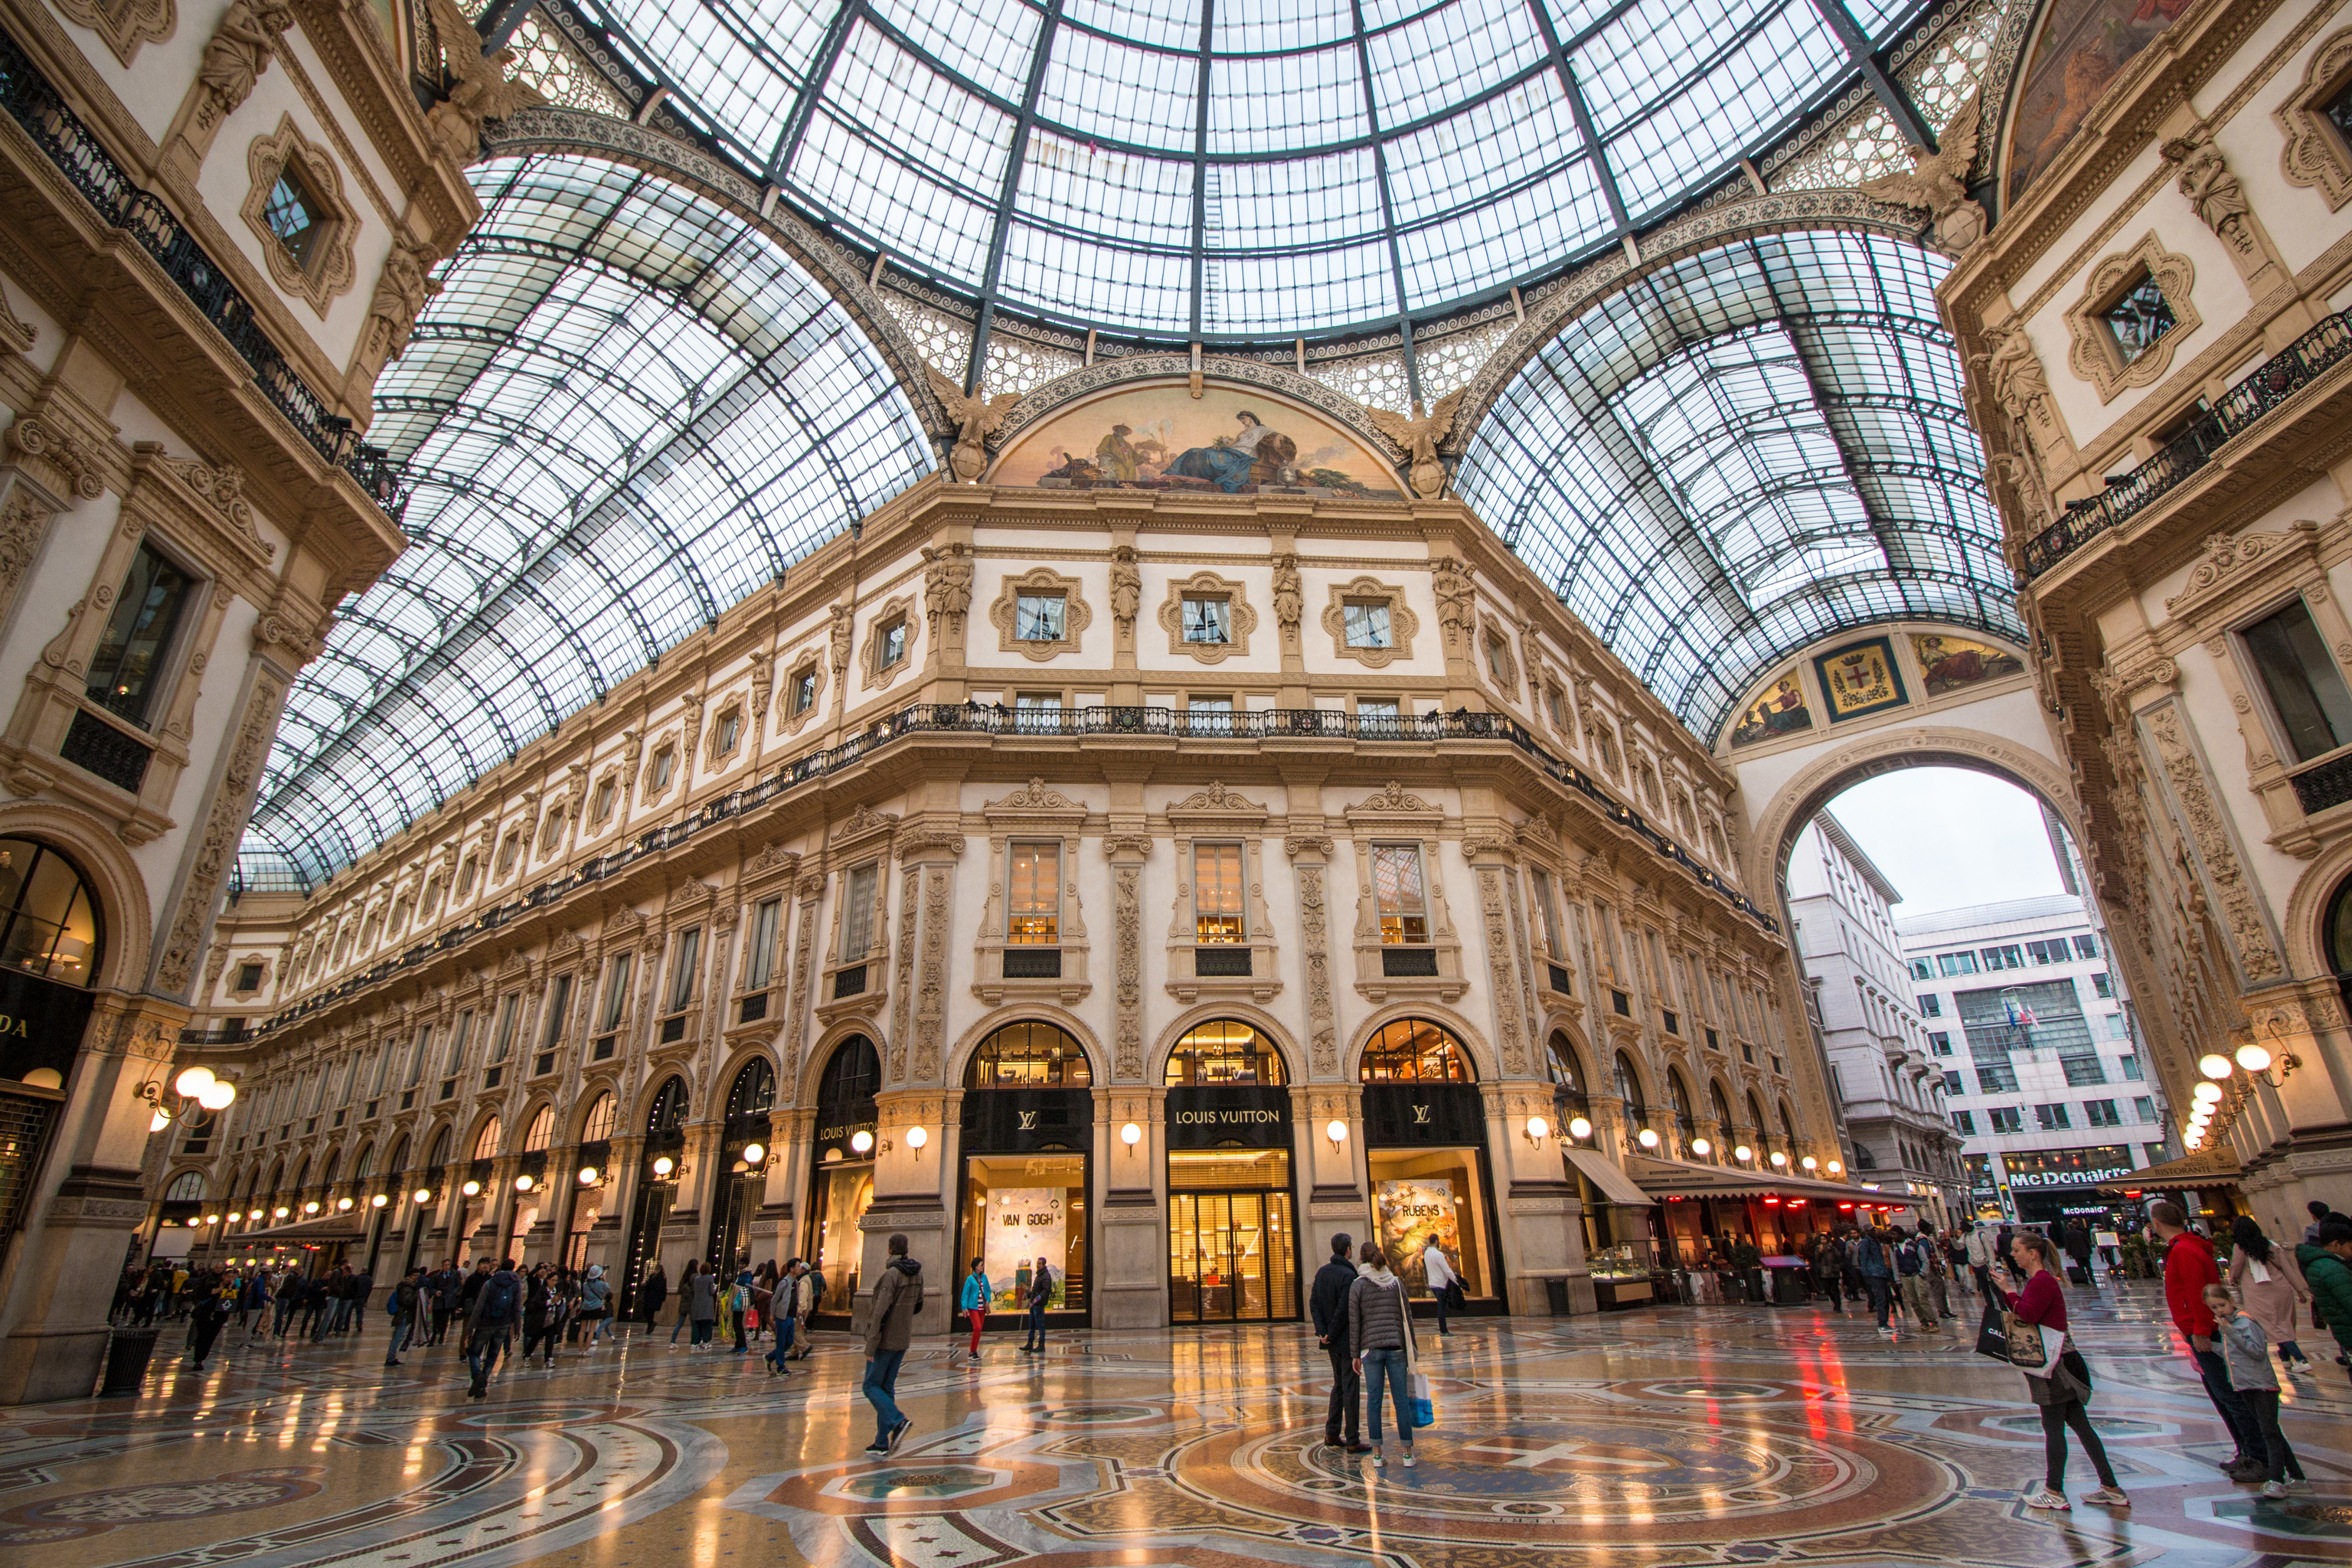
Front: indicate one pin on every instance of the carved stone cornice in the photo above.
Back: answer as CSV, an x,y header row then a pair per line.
x,y
2230,558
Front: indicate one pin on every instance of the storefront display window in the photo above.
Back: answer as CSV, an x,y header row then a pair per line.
x,y
1017,1209
841,1187
1424,1195
1425,1145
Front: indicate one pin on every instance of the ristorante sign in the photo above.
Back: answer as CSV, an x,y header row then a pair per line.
x,y
1255,1116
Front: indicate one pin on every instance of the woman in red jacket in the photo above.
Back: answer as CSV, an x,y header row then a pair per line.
x,y
2061,1384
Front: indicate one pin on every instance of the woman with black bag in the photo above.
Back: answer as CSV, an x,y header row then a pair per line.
x,y
2056,1376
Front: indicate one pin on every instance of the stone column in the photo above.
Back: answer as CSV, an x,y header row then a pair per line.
x,y
89,1200
1132,1241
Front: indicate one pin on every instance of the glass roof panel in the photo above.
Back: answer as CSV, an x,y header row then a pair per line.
x,y
607,448
1742,452
907,134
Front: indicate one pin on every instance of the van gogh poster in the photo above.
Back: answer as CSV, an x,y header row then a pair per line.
x,y
1024,1224
1412,1212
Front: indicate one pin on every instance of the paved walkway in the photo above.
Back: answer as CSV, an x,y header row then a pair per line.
x,y
1670,1436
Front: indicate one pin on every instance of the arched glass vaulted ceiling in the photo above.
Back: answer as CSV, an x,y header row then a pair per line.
x,y
623,412
1243,168
1742,453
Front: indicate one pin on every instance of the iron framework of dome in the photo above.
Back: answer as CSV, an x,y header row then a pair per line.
x,y
628,406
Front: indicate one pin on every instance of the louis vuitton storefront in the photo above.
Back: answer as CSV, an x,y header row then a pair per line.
x,y
1027,1140
1233,1254
1426,1158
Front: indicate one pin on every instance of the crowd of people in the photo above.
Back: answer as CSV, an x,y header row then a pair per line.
x,y
2240,1326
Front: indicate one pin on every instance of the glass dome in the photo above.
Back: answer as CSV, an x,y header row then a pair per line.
x,y
1241,168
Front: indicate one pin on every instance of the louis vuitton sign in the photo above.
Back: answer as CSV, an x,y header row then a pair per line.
x,y
1255,1116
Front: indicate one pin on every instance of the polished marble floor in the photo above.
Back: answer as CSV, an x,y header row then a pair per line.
x,y
1679,1436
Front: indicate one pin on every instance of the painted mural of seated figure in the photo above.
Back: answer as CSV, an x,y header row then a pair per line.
x,y
1228,460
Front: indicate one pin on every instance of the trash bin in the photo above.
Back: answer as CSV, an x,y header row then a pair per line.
x,y
1556,1296
1789,1284
127,1355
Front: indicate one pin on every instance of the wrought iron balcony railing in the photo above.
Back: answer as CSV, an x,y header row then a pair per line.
x,y
2287,372
1102,724
36,108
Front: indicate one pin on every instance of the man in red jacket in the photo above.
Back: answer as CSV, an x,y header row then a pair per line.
x,y
2189,1268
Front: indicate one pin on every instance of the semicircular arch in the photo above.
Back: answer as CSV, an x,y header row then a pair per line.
x,y
1155,1061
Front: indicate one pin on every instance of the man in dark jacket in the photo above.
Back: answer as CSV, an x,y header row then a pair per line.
x,y
2327,1268
407,1297
1328,1304
2189,1268
890,1329
495,1312
442,1285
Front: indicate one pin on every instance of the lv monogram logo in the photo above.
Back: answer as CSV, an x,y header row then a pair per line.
x,y
1420,1116
1028,1121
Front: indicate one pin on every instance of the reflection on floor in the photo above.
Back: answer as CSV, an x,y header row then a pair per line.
x,y
1673,1436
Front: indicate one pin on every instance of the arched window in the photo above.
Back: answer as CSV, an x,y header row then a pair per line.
x,y
1225,1051
845,1093
49,922
753,1092
186,1187
668,1119
1415,1050
365,1166
486,1146
326,1171
1787,1129
1628,1084
1568,1090
1724,1124
1029,1055
398,1162
1678,1097
440,1156
1756,1119
541,1130
601,1118
300,1172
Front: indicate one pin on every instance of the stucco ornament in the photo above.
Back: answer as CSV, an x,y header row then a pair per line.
x,y
1938,181
480,89
976,418
1418,434
249,36
2213,192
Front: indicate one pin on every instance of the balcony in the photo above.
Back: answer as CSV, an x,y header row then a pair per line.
x,y
2303,362
38,111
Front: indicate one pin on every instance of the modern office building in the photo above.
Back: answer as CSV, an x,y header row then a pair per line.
x,y
2043,1072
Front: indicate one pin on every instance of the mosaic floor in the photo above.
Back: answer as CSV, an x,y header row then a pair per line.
x,y
1673,1436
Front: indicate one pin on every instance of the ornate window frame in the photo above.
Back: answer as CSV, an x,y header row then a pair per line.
x,y
1394,814
1035,813
1494,635
1403,625
125,23
864,839
667,746
610,778
1220,815
330,271
811,661
735,706
879,676
1076,613
1207,584
2091,354
2316,155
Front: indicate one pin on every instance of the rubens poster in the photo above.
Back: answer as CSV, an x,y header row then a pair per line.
x,y
1228,441
1412,1212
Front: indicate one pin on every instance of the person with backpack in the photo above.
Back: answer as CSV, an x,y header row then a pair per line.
x,y
1911,1266
1379,1333
1444,1284
595,1304
812,1296
1977,1246
2327,1270
497,1312
2061,1384
1327,1304
401,1306
890,1330
1040,1295
1872,1260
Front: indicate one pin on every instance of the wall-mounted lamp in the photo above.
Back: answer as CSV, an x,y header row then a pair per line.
x,y
254,1214
917,1136
310,1207
1336,1131
1130,1135
1743,1153
2258,1061
664,1166
1778,1158
2213,1065
1837,1168
524,1182
1809,1164
472,1189
2207,1092
1538,1131
212,1219
423,1194
753,1153
588,1174
343,1204
1702,1148
1646,1138
862,1142
196,1087
1578,1127
378,1201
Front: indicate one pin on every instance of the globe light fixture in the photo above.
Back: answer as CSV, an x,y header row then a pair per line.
x,y
1336,1131
280,1212
524,1182
378,1201
2206,1092
472,1189
664,1166
423,1195
219,1097
1743,1152
2254,1057
310,1207
1809,1164
754,1153
587,1176
212,1219
1538,1131
2214,1064
343,1204
917,1136
1130,1135
863,1140
1578,1127
192,1084
1646,1138
1778,1158
1836,1168
1702,1148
